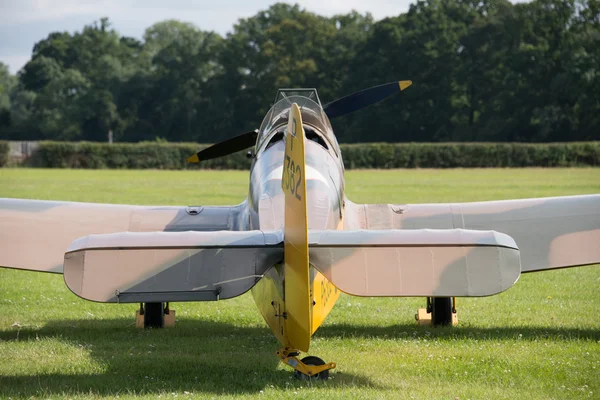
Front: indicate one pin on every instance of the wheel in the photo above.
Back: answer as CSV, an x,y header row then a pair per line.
x,y
441,311
314,361
154,315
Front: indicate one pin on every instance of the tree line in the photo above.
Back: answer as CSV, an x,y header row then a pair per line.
x,y
482,70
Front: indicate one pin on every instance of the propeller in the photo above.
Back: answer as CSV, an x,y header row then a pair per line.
x,y
229,146
336,108
364,98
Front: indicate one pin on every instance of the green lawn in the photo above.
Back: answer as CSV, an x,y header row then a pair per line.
x,y
540,339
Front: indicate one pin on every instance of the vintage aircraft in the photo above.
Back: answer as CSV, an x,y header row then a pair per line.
x,y
297,242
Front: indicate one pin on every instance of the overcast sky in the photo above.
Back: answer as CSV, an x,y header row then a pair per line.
x,y
25,22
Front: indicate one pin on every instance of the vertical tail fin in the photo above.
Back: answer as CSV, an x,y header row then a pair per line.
x,y
296,267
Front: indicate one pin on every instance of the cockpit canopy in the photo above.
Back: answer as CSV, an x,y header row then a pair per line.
x,y
316,124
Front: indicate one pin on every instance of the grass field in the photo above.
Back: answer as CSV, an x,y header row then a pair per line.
x,y
539,340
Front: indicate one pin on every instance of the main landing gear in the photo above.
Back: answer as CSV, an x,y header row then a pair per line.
x,y
308,368
155,315
440,311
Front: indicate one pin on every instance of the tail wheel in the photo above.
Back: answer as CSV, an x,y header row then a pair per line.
x,y
314,361
154,315
441,311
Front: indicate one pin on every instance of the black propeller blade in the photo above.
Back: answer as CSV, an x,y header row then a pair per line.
x,y
336,108
363,99
229,146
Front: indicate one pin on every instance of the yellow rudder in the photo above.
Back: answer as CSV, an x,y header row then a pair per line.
x,y
325,295
297,325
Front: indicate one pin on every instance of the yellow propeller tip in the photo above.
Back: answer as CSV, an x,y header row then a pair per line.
x,y
193,159
404,84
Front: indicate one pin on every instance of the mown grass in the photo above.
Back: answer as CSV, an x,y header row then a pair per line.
x,y
539,340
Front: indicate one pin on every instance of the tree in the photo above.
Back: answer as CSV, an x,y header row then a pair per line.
x,y
7,83
58,108
174,90
78,79
482,70
282,46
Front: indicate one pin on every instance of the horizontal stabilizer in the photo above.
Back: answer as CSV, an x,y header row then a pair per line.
x,y
169,266
420,262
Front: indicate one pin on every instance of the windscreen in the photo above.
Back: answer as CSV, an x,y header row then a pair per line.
x,y
310,108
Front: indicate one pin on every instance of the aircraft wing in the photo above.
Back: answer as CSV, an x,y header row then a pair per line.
x,y
35,235
553,232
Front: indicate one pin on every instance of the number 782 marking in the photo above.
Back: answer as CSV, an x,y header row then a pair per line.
x,y
292,177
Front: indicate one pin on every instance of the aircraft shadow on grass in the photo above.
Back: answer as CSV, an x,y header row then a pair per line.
x,y
457,332
197,356
208,356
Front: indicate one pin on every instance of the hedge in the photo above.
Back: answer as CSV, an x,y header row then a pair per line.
x,y
4,149
366,155
144,155
470,155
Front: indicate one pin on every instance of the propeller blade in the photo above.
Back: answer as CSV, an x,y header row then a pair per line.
x,y
229,146
364,98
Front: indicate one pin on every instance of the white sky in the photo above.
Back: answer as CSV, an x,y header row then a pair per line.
x,y
25,22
